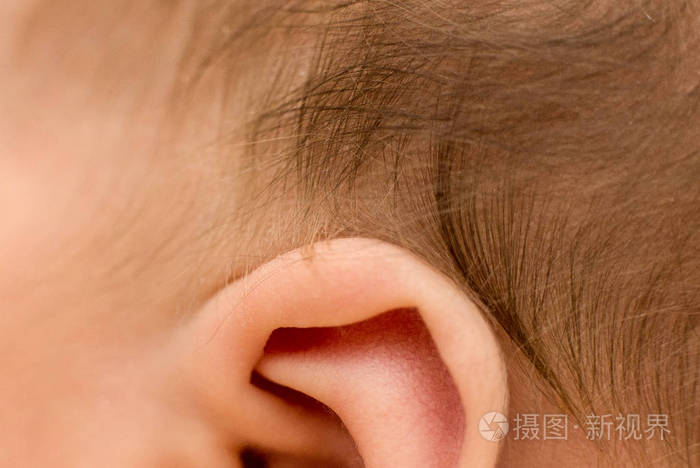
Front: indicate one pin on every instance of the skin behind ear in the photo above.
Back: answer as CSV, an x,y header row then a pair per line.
x,y
401,356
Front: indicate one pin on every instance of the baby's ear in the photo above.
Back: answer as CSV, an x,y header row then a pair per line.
x,y
400,355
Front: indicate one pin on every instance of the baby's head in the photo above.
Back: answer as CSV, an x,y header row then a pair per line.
x,y
344,232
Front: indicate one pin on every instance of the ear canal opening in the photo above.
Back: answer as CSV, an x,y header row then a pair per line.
x,y
251,457
382,378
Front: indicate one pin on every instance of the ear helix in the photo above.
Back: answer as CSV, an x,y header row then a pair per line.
x,y
392,346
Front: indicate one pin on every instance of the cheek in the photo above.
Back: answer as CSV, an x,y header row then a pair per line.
x,y
81,109
92,227
45,209
56,198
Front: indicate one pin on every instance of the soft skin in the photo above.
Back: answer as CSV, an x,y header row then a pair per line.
x,y
130,326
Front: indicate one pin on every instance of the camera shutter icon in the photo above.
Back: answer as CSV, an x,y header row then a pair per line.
x,y
493,426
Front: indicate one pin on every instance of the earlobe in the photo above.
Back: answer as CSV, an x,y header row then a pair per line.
x,y
392,346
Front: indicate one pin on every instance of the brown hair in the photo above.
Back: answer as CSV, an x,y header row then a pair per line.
x,y
544,155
